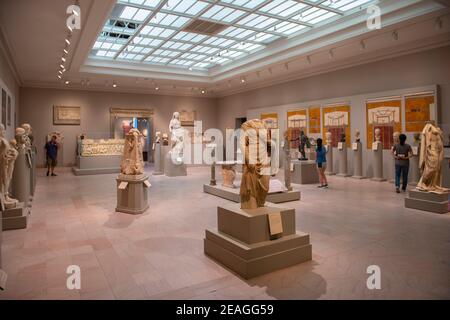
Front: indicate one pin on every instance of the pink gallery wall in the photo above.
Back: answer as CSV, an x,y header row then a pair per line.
x,y
409,71
36,107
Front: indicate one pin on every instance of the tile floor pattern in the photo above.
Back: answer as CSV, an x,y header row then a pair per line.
x,y
159,255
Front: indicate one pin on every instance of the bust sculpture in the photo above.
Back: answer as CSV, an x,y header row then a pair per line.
x,y
8,155
396,137
132,161
20,137
28,134
357,136
176,138
165,139
329,137
377,135
256,166
228,175
430,159
158,137
343,138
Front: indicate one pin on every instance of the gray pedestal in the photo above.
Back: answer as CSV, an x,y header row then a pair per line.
x,y
305,172
311,154
329,170
134,198
158,168
173,170
414,174
357,162
33,170
378,163
232,194
21,179
342,163
242,241
15,218
97,165
427,201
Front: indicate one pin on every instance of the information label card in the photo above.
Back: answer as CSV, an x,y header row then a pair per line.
x,y
275,223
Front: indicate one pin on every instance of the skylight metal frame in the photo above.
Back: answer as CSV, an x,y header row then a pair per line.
x,y
236,47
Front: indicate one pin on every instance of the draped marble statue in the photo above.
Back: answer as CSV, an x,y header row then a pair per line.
x,y
255,143
176,138
28,134
8,155
21,138
430,159
132,161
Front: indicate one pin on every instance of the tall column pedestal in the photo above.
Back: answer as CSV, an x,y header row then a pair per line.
x,y
342,162
329,170
378,163
20,181
158,169
357,161
173,170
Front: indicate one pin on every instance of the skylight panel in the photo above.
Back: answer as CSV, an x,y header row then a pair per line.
x,y
283,8
323,17
101,53
257,21
354,5
315,14
233,16
211,12
141,15
202,65
196,8
97,45
106,45
250,4
128,13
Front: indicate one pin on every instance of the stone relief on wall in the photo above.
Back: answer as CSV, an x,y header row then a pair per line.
x,y
101,147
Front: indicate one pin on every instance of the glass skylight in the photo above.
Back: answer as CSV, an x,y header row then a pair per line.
x,y
154,31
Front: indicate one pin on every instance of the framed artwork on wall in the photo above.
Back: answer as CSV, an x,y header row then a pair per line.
x,y
314,120
9,111
187,118
336,119
270,119
296,120
383,114
4,107
63,115
418,111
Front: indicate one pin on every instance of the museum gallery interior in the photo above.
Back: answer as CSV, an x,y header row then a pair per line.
x,y
224,149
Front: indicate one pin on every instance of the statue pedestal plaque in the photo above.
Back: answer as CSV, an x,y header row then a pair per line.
x,y
132,193
244,243
427,201
15,218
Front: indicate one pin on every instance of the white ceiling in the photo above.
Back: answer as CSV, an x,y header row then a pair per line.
x,y
35,34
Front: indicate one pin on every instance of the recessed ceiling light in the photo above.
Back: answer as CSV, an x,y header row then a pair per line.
x,y
70,28
67,82
59,77
62,66
243,80
156,88
67,41
60,72
63,59
114,85
65,51
203,91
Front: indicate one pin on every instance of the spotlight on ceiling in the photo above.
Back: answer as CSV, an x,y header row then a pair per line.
x,y
65,51
68,42
67,82
243,80
59,77
203,91
114,85
63,59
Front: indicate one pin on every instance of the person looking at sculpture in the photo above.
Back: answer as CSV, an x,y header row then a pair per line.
x,y
52,153
321,161
401,152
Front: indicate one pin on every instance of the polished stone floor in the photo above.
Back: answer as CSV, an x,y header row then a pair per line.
x,y
159,255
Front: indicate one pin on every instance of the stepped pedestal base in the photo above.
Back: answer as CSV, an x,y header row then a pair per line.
x,y
427,201
15,218
132,193
242,241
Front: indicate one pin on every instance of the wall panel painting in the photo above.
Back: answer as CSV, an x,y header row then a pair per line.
x,y
296,122
418,110
314,120
336,119
270,119
386,116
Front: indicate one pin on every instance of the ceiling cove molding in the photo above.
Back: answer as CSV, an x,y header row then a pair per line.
x,y
362,59
5,48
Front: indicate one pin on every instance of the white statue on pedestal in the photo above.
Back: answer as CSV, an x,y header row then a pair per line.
x,y
28,134
8,155
329,137
430,161
176,138
157,140
132,161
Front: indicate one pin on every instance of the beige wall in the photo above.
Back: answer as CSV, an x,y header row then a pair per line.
x,y
37,108
415,70
8,81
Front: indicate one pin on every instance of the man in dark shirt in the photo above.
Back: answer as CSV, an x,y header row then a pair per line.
x,y
52,154
401,152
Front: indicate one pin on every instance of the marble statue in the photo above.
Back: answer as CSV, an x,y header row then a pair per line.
x,y
157,140
132,161
165,139
176,138
430,160
228,175
329,137
416,138
256,167
8,155
357,136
